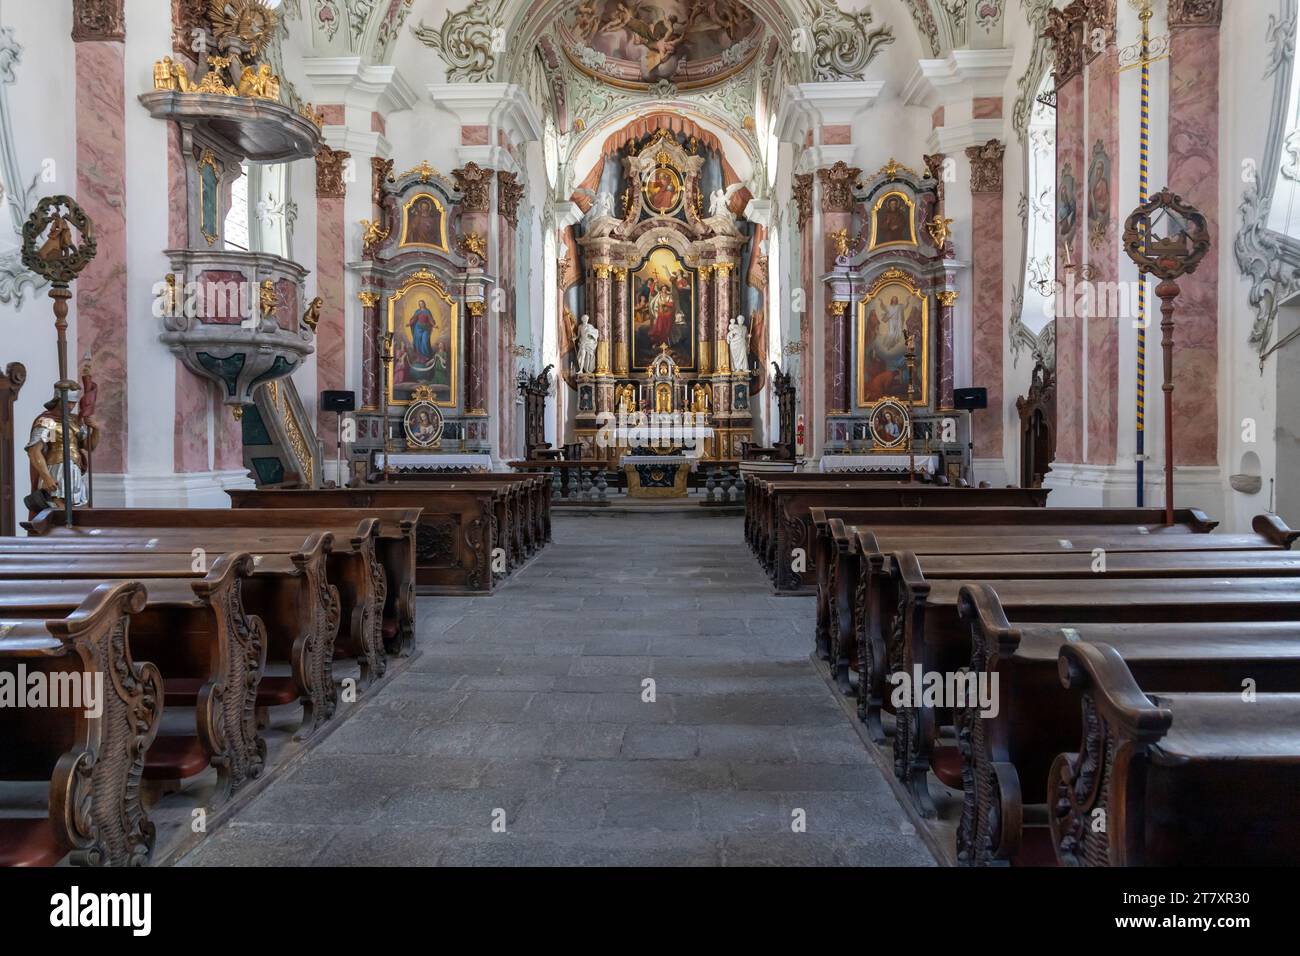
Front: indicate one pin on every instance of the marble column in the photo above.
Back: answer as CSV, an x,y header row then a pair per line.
x,y
604,288
704,362
371,369
476,383
1066,32
331,191
837,356
475,186
194,395
802,193
99,34
1103,226
620,320
722,315
1194,174
947,316
988,335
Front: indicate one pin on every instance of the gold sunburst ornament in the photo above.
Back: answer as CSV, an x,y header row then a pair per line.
x,y
252,22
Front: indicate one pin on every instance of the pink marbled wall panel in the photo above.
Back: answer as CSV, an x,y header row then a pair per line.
x,y
229,452
987,309
936,118
193,394
804,399
334,114
377,123
839,135
1069,328
331,372
1102,229
101,289
1194,174
473,136
986,107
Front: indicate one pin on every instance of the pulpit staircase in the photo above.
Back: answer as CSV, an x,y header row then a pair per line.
x,y
280,446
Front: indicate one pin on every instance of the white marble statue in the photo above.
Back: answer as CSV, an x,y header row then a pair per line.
x,y
720,219
587,336
738,344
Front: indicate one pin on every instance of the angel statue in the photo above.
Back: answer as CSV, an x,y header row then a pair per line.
x,y
738,344
600,220
587,337
720,219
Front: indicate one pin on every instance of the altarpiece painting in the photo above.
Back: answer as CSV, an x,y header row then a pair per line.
x,y
663,309
893,309
424,321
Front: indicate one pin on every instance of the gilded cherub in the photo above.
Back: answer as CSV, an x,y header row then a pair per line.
x,y
269,298
311,317
373,236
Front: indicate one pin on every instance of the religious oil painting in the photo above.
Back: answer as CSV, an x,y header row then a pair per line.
x,y
892,221
636,44
426,332
662,195
893,309
663,310
422,423
424,223
889,425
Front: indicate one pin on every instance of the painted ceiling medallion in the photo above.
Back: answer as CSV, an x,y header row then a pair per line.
x,y
688,43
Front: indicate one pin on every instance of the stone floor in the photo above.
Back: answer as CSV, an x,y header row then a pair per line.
x,y
520,734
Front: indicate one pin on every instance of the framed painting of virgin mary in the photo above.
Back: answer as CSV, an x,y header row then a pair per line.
x,y
425,323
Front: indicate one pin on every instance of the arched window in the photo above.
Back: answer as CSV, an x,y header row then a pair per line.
x,y
1040,215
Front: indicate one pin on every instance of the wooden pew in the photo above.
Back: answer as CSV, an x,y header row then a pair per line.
x,y
1184,779
288,591
533,506
351,566
931,634
788,523
851,556
93,762
1005,756
198,634
453,539
394,544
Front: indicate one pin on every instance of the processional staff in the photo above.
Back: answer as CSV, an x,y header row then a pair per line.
x,y
50,250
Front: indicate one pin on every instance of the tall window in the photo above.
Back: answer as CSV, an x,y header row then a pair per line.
x,y
237,219
1040,194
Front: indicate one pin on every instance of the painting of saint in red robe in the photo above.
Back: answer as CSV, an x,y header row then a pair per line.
x,y
663,293
664,191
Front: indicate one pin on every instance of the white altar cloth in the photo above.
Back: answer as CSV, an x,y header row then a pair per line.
x,y
435,461
833,463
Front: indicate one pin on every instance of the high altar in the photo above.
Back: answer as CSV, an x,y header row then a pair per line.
x,y
663,307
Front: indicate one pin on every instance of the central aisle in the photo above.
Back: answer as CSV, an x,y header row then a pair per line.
x,y
530,702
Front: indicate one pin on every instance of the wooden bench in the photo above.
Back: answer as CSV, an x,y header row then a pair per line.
x,y
289,591
394,543
533,500
196,631
850,575
788,525
1184,779
931,635
1005,756
350,562
93,762
453,539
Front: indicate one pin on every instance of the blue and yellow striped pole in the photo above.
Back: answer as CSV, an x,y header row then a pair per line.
x,y
1144,152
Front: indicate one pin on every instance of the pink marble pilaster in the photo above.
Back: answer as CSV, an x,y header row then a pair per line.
x,y
1194,174
705,331
370,369
1071,236
101,192
988,314
722,315
1101,227
837,358
603,287
947,316
331,250
193,394
621,313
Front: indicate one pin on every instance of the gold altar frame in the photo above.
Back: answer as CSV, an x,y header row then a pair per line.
x,y
892,277
426,280
406,224
873,245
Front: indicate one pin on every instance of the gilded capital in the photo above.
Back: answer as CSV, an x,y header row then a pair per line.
x,y
947,298
368,299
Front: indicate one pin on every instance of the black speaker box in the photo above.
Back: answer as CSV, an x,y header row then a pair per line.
x,y
970,398
338,401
